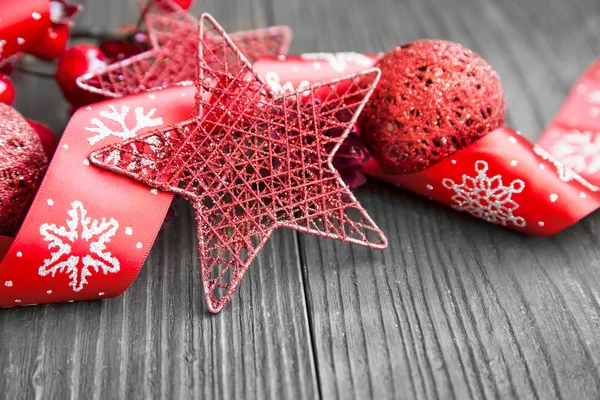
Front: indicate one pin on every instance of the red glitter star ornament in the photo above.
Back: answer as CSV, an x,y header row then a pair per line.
x,y
252,162
172,59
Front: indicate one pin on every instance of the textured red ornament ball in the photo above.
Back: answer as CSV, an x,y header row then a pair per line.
x,y
434,99
22,167
74,62
7,90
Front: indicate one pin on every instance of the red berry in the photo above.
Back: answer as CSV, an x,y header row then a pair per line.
x,y
135,43
73,63
7,68
434,99
7,90
46,137
169,4
52,44
8,65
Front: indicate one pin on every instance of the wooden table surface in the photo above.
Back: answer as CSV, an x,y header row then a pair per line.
x,y
455,308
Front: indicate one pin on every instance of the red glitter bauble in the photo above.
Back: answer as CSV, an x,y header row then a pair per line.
x,y
22,167
434,99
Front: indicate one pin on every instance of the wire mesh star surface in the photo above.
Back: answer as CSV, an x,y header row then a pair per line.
x,y
172,59
251,162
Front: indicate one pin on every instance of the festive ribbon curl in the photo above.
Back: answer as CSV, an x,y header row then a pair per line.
x,y
538,189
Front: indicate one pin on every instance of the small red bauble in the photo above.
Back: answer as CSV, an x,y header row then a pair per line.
x,y
135,43
52,44
22,167
8,67
7,90
73,63
168,4
46,136
434,98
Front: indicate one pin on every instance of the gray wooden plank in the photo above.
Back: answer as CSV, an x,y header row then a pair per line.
x,y
157,340
454,308
457,308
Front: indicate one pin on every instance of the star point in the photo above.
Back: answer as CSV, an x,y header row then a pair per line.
x,y
251,162
172,58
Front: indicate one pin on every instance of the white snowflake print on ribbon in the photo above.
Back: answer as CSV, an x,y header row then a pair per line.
x,y
565,173
340,61
142,121
79,226
579,151
487,198
594,97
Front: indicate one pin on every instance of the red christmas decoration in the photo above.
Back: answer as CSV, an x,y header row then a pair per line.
x,y
22,23
118,50
251,162
7,90
22,166
52,44
89,231
136,40
353,154
74,62
501,178
7,66
68,248
46,136
435,98
170,5
174,38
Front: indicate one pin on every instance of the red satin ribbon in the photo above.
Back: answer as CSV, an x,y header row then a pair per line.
x,y
504,179
574,134
22,24
89,231
99,226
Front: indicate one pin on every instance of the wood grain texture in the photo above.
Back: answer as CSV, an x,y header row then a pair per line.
x,y
157,341
454,309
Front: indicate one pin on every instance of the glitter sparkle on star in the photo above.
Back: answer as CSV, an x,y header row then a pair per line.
x,y
252,162
174,37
